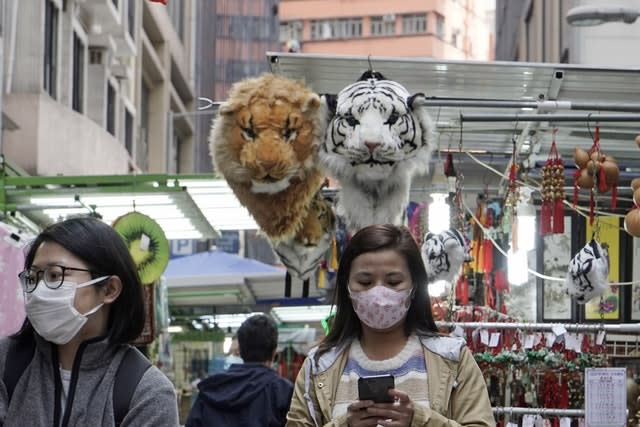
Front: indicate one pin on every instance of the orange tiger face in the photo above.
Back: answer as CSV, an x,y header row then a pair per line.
x,y
267,133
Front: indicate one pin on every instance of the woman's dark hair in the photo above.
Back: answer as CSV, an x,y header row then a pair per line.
x,y
105,254
257,338
346,324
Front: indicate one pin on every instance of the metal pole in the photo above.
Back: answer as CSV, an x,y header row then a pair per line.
x,y
512,410
576,327
540,105
550,117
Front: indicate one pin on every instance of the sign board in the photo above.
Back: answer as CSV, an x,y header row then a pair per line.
x,y
181,247
605,398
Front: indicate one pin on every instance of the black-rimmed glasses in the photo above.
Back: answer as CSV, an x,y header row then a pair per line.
x,y
53,277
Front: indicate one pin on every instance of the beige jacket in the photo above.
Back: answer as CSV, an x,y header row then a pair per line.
x,y
457,390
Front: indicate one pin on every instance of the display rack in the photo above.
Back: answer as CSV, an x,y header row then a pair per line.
x,y
574,327
552,412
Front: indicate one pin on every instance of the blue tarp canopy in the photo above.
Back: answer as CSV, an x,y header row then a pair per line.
x,y
220,278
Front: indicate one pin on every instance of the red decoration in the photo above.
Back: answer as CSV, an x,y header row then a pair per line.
x,y
552,192
159,1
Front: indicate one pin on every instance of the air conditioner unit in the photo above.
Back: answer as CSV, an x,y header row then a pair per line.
x,y
389,17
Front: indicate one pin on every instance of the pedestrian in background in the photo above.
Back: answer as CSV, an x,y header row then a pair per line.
x,y
250,394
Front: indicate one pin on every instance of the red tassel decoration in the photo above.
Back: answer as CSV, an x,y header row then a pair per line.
x,y
462,290
558,216
614,197
576,175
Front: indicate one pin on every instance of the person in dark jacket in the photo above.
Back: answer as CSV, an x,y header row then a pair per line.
x,y
250,394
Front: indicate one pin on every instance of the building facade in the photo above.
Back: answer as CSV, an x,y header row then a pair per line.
x,y
89,84
232,38
537,31
453,29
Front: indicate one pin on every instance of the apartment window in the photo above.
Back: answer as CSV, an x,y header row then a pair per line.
x,y
440,26
111,109
414,23
131,18
291,30
77,96
454,38
384,25
128,131
50,48
336,28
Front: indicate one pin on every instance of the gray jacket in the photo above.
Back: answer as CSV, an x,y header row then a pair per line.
x,y
36,397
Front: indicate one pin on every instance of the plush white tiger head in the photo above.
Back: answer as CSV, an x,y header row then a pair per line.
x,y
377,129
443,254
588,273
377,138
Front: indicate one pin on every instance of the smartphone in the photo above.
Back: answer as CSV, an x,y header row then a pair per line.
x,y
376,388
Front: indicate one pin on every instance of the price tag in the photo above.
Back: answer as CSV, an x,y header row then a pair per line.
x,y
495,339
600,337
565,422
484,337
528,420
528,341
550,339
559,330
510,424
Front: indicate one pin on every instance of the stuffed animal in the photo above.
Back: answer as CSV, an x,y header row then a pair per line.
x,y
378,137
264,142
443,254
588,273
301,259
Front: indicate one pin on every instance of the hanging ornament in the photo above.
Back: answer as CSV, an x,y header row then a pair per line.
x,y
552,192
513,195
596,172
587,276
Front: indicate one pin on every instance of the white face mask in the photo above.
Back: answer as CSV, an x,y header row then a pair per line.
x,y
52,312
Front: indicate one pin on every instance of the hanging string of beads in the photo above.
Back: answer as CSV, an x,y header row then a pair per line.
x,y
552,192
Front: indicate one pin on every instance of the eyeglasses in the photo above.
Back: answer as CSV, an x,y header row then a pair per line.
x,y
53,277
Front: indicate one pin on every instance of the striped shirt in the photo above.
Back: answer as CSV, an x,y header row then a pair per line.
x,y
408,368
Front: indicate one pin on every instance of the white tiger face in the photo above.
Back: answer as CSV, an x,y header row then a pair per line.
x,y
377,126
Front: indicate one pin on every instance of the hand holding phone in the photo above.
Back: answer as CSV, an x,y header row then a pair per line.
x,y
376,388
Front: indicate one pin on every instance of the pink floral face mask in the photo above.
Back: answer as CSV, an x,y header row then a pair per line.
x,y
380,307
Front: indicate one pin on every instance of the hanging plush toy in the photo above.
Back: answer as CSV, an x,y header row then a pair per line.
x,y
379,136
264,142
443,254
588,272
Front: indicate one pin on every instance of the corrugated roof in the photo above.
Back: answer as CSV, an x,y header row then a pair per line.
x,y
590,88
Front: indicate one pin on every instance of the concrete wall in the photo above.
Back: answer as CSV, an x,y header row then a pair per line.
x,y
53,139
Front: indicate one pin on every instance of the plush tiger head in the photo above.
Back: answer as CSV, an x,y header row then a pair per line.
x,y
377,128
267,133
443,254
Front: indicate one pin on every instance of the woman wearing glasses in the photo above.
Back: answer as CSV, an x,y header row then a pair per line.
x,y
84,303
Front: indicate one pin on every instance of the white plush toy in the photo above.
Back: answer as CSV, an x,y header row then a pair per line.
x,y
588,272
378,138
443,254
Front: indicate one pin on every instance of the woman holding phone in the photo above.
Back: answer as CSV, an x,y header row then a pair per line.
x,y
384,327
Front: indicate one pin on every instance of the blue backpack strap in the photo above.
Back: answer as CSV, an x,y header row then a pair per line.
x,y
133,365
21,349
